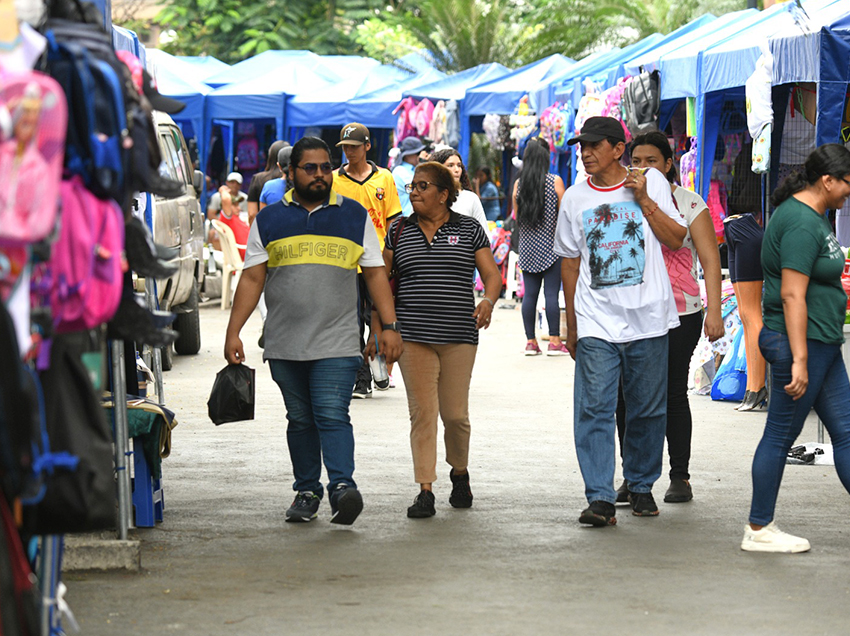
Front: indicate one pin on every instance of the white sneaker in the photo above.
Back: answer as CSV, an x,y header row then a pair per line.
x,y
772,539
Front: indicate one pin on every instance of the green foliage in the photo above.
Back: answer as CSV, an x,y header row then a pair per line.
x,y
384,40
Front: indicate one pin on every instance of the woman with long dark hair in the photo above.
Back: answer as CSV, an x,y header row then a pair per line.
x,y
536,199
804,309
467,202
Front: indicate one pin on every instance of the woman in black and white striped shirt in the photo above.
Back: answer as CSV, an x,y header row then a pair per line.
x,y
435,252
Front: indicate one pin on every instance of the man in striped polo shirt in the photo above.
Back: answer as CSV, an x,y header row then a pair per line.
x,y
304,252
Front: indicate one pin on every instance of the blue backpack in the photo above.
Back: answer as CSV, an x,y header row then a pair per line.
x,y
97,117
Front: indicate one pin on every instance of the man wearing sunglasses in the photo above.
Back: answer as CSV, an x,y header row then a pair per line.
x,y
304,252
375,189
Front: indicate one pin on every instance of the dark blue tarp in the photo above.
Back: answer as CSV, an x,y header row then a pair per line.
x,y
455,86
834,79
375,109
326,106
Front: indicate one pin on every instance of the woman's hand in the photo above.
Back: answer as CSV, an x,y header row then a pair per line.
x,y
391,345
483,313
799,380
713,327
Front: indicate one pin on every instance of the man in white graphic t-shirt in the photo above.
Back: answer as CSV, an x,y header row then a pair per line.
x,y
619,308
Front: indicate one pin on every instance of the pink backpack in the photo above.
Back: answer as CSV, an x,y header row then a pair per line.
x,y
405,127
422,115
85,262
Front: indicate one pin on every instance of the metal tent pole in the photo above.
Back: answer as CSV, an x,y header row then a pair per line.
x,y
119,401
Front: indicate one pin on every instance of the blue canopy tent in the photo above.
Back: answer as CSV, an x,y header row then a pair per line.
x,y
501,95
415,62
203,66
326,106
260,98
724,67
172,79
126,40
455,86
347,66
800,56
270,61
375,110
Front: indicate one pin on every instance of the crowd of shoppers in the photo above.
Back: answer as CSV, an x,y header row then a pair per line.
x,y
627,244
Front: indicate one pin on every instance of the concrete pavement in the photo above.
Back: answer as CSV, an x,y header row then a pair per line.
x,y
224,561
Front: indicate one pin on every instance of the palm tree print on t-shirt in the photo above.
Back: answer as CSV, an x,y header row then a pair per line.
x,y
614,233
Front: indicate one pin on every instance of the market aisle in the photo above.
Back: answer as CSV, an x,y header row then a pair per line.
x,y
224,562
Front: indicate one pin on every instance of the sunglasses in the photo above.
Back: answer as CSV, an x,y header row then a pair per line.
x,y
419,185
313,168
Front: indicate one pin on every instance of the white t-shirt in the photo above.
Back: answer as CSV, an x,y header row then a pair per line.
x,y
469,204
681,264
623,292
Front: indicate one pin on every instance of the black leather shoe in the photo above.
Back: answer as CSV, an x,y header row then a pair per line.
x,y
623,492
679,491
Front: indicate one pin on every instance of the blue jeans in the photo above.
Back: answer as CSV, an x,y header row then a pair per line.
x,y
599,364
317,394
828,393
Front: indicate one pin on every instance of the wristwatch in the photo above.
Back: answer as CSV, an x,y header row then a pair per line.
x,y
393,326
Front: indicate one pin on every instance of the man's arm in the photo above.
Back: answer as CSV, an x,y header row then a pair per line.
x,y
569,277
382,299
665,228
247,296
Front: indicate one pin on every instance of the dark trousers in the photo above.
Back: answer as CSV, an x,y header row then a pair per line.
x,y
683,340
550,280
364,373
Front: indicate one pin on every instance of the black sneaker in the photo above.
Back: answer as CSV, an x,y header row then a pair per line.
x,y
305,507
346,504
623,492
461,496
679,491
643,504
363,382
423,506
599,514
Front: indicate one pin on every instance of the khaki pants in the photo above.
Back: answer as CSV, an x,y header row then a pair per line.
x,y
436,378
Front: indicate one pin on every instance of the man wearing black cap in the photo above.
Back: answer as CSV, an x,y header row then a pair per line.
x,y
619,306
374,188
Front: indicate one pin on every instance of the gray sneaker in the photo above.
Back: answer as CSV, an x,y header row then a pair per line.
x,y
305,507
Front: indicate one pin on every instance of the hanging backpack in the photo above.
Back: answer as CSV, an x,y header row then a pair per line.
x,y
85,263
97,119
31,154
555,126
421,117
404,126
641,102
451,136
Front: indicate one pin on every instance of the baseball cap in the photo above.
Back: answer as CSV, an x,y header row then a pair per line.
x,y
283,156
353,134
599,128
234,176
410,146
158,100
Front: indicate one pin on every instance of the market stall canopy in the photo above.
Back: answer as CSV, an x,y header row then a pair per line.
x,y
455,86
416,62
501,96
375,110
264,97
326,106
203,66
796,47
729,63
348,66
680,69
267,62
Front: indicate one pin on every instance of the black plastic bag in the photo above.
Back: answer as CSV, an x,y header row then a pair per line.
x,y
232,396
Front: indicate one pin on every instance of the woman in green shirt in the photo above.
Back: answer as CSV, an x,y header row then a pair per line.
x,y
804,308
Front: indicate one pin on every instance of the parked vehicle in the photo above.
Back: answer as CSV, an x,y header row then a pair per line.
x,y
179,222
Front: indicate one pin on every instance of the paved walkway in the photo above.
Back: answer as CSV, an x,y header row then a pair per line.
x,y
224,562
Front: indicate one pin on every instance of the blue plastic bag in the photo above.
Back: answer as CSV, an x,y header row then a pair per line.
x,y
730,382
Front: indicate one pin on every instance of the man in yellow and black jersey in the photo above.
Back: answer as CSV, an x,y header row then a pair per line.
x,y
374,188
366,183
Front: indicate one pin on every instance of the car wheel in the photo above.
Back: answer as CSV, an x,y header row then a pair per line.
x,y
188,325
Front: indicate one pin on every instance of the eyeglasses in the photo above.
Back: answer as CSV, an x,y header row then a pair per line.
x,y
845,181
312,168
419,185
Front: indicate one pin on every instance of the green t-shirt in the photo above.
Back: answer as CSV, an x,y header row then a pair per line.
x,y
799,238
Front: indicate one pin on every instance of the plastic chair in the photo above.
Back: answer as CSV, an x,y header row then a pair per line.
x,y
232,262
